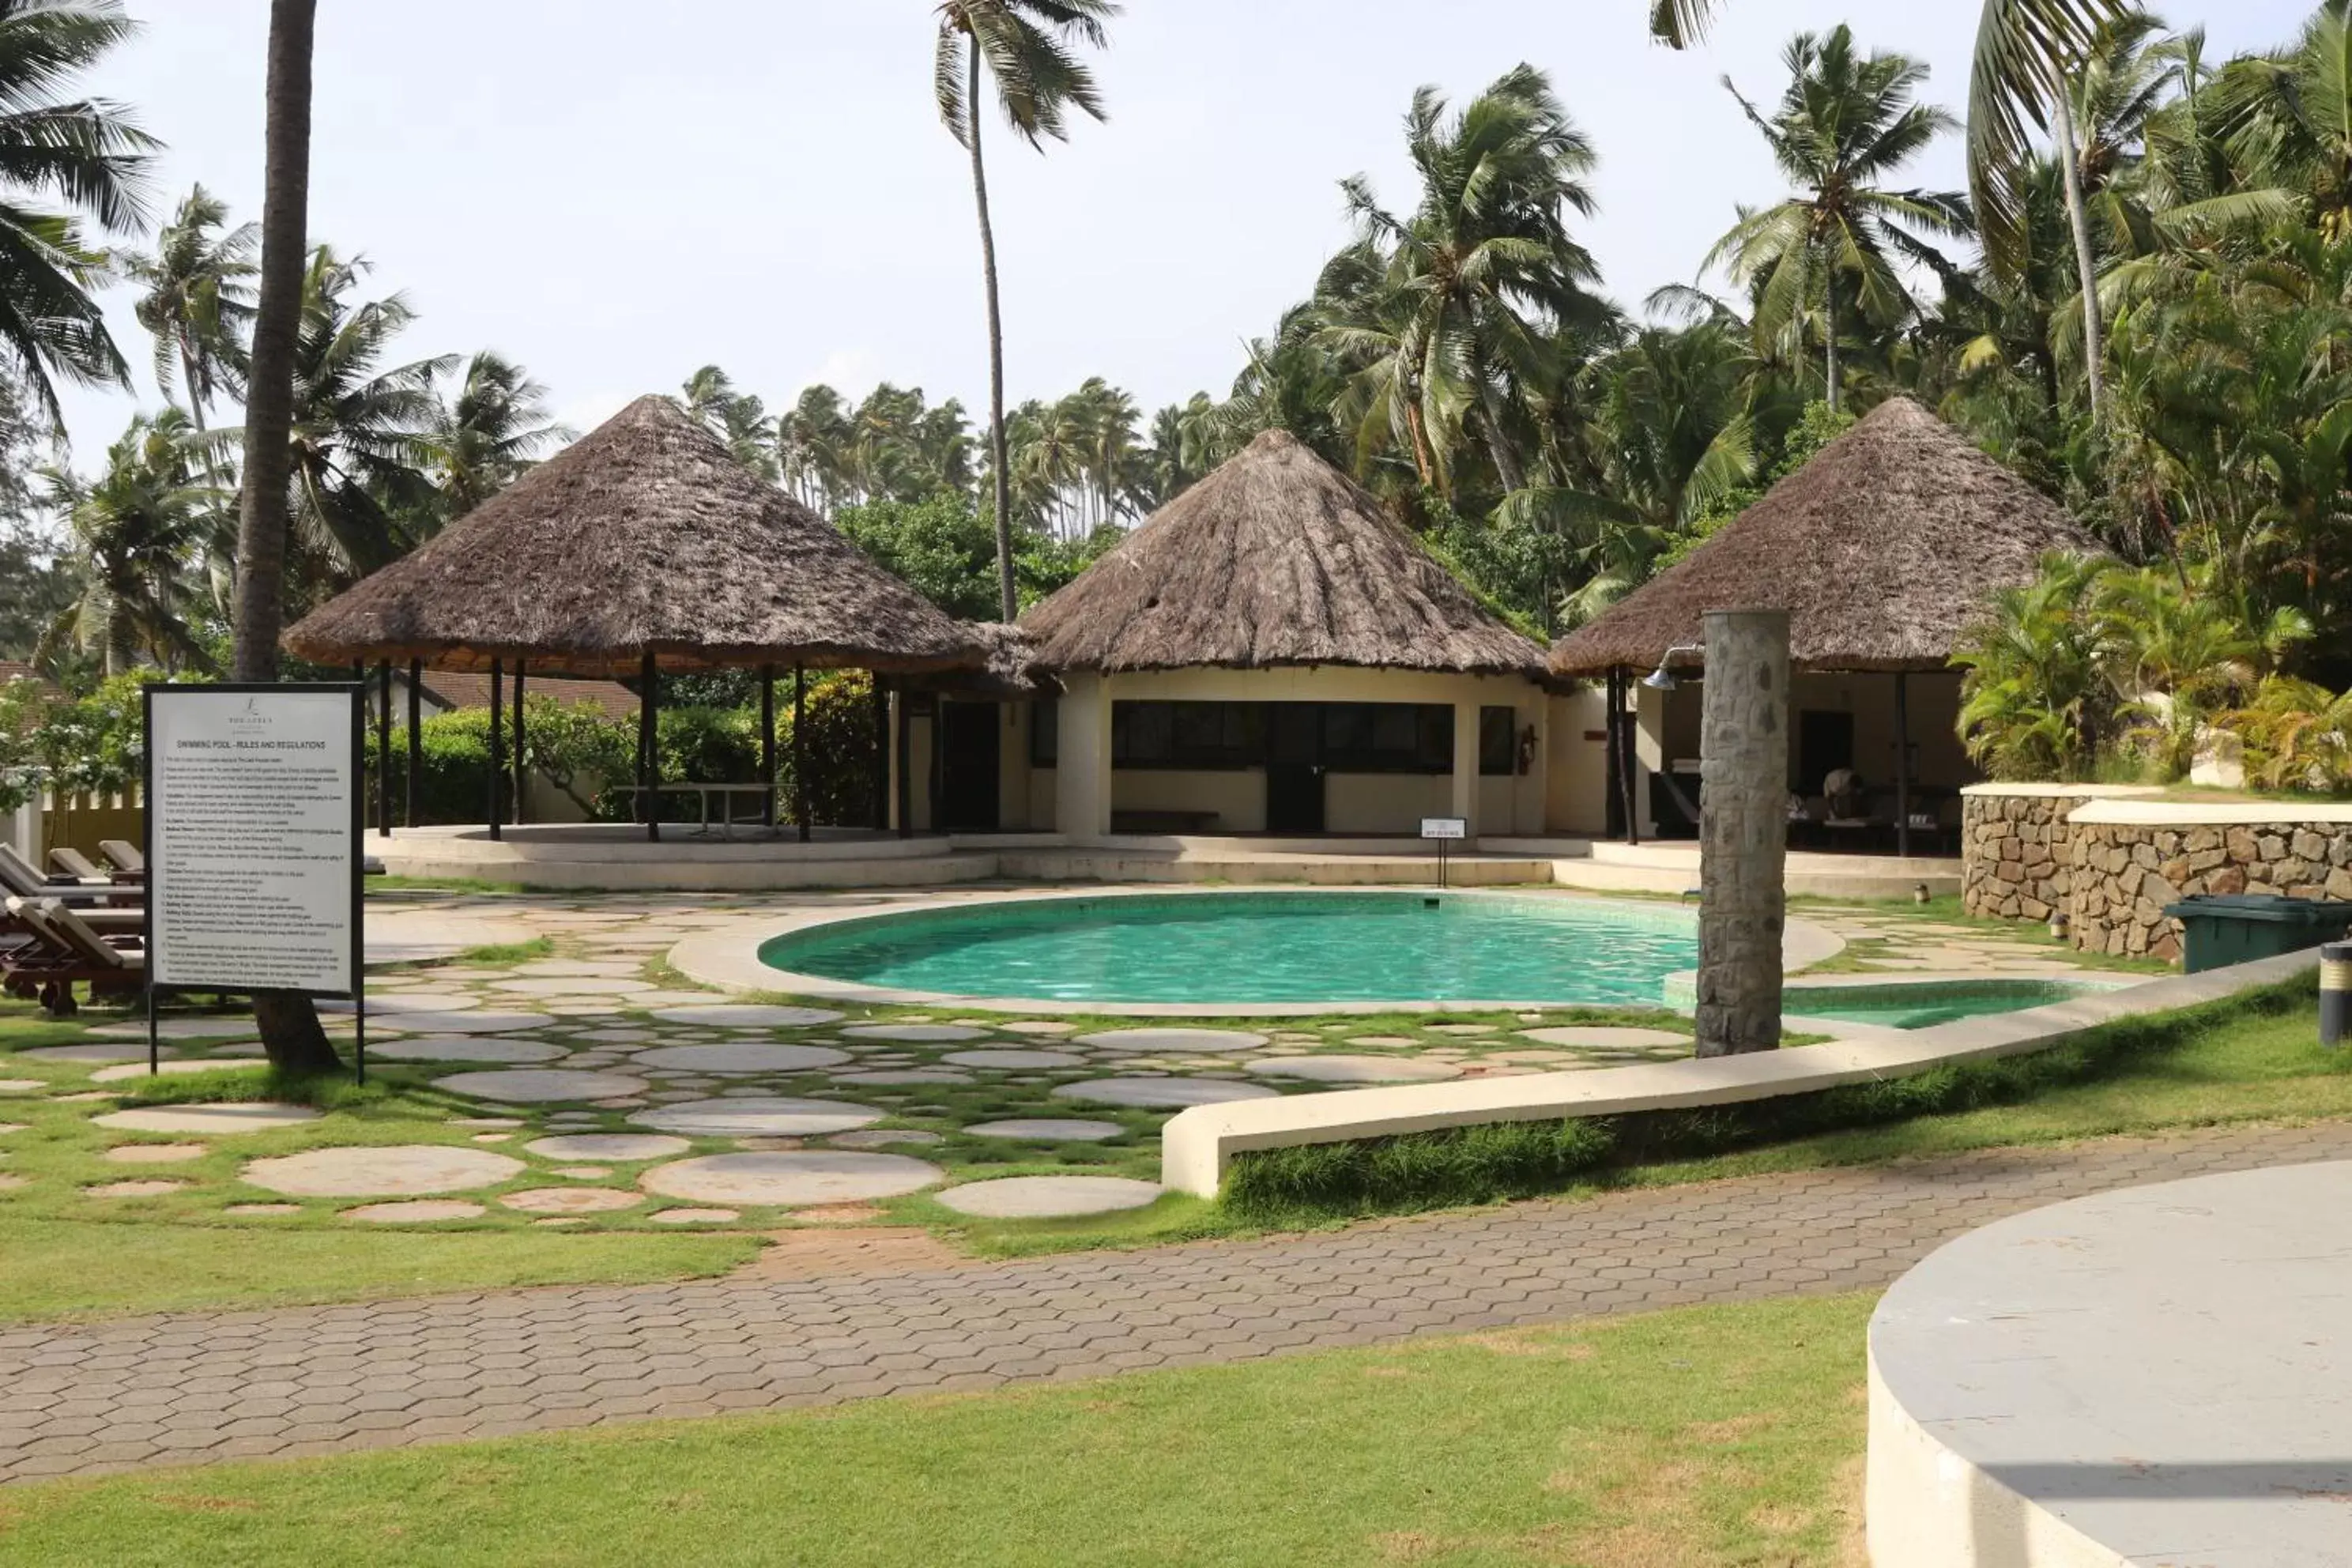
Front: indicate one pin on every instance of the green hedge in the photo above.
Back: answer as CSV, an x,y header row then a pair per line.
x,y
1499,1161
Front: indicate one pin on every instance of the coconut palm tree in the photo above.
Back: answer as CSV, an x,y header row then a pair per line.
x,y
1845,123
1025,45
485,434
287,1022
2025,52
737,418
138,532
1448,308
86,153
198,299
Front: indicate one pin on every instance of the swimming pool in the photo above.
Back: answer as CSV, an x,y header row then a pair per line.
x,y
1923,1004
1262,947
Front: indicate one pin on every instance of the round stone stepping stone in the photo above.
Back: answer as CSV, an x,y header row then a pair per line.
x,y
154,1153
133,1189
794,1180
1047,1129
693,1216
1355,1069
620,966
570,1200
573,985
1039,1026
1160,1093
883,1138
179,1029
398,1170
930,1033
244,1209
418,1212
747,1015
8,1182
1604,1035
391,1002
1180,1042
1048,1197
503,1121
260,1116
627,1146
778,1118
475,1023
21,1085
1013,1061
126,1052
464,1048
1535,1058
905,1075
8,1126
200,1064
741,1056
539,1085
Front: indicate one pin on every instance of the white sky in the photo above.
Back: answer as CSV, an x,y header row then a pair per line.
x,y
617,193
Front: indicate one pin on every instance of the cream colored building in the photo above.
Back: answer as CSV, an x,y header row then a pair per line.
x,y
1270,654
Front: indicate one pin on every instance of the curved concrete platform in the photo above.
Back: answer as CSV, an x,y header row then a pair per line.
x,y
2158,1375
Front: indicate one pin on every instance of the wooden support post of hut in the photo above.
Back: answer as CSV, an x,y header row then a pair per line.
x,y
415,743
521,757
800,750
768,744
554,570
498,811
384,749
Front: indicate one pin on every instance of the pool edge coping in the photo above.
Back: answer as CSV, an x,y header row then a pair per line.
x,y
728,957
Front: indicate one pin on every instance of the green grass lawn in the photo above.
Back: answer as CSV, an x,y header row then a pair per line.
x,y
1707,1435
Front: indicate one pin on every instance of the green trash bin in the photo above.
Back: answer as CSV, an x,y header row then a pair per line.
x,y
2222,930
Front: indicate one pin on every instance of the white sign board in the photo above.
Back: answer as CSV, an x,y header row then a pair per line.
x,y
253,828
1447,828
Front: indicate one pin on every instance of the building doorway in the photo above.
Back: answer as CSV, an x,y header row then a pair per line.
x,y
968,738
1294,767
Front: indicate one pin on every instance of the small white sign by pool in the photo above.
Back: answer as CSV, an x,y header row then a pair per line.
x,y
1450,829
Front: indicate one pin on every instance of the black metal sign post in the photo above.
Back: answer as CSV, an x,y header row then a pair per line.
x,y
242,722
1446,831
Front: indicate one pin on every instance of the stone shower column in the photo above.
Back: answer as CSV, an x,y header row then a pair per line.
x,y
1743,831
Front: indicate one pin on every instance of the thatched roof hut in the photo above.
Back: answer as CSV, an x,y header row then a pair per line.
x,y
1882,548
644,536
1009,671
1276,559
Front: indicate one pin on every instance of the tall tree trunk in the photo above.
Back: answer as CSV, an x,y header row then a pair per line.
x,y
1828,337
287,1022
1498,445
1007,594
2078,218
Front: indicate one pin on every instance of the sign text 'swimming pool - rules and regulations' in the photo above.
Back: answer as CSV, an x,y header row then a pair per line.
x,y
254,804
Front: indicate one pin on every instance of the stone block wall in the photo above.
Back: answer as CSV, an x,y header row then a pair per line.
x,y
2024,857
2016,860
2125,873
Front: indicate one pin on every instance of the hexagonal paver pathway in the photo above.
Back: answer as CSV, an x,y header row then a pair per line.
x,y
135,1392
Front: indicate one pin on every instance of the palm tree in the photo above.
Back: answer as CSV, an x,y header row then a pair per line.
x,y
137,531
287,1023
2025,50
2030,702
88,154
199,299
482,438
358,482
737,418
1447,309
1844,124
1025,45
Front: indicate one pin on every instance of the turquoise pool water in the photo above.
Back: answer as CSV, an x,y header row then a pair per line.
x,y
1925,1006
1263,947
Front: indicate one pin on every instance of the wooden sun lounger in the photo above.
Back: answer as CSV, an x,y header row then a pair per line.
x,y
124,856
20,878
69,949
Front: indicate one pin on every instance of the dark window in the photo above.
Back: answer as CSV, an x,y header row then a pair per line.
x,y
1207,736
1044,732
1498,742
1387,737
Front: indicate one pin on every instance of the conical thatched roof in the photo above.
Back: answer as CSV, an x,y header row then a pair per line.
x,y
1882,548
1277,558
644,535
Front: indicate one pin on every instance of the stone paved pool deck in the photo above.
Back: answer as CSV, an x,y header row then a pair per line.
x,y
893,1317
